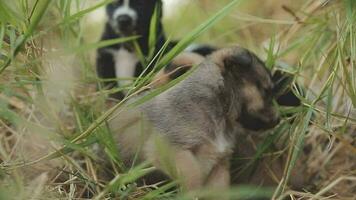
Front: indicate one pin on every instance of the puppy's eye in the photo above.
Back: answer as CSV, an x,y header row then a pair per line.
x,y
269,94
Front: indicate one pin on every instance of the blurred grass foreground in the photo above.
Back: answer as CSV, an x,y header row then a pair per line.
x,y
49,102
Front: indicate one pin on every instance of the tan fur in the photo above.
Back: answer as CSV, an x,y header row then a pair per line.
x,y
189,170
219,177
205,166
187,58
160,79
254,96
183,60
219,56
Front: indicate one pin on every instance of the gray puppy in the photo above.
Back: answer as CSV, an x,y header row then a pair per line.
x,y
189,131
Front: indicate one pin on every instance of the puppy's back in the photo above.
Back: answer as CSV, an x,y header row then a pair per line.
x,y
179,114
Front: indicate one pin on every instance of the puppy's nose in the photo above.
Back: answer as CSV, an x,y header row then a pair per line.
x,y
124,20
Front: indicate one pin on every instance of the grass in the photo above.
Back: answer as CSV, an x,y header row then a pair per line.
x,y
51,115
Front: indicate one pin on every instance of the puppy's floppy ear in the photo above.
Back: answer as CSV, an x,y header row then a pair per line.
x,y
282,91
281,82
239,60
236,59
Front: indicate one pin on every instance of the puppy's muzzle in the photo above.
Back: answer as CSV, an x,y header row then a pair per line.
x,y
264,120
125,22
274,122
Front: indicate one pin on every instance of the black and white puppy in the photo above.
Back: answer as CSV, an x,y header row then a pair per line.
x,y
119,61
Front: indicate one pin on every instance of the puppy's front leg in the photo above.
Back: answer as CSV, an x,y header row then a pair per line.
x,y
180,164
188,169
105,68
219,178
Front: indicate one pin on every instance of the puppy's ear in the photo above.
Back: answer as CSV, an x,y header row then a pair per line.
x,y
234,59
239,60
282,91
281,82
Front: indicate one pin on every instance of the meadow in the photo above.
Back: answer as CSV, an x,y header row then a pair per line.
x,y
52,117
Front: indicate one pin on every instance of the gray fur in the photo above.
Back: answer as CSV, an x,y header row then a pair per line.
x,y
186,119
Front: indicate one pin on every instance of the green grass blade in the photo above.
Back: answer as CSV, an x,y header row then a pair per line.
x,y
240,192
2,35
159,90
121,180
82,13
271,57
100,44
296,148
8,15
153,30
39,12
262,148
161,191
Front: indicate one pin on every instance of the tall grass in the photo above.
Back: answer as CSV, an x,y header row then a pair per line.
x,y
52,117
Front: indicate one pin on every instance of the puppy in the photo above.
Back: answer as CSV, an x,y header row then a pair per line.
x,y
260,174
119,61
189,131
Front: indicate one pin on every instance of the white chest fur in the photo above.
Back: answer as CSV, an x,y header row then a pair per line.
x,y
125,66
217,149
222,144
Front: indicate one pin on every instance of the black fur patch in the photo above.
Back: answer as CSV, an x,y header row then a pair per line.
x,y
204,50
175,71
255,123
243,63
285,96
